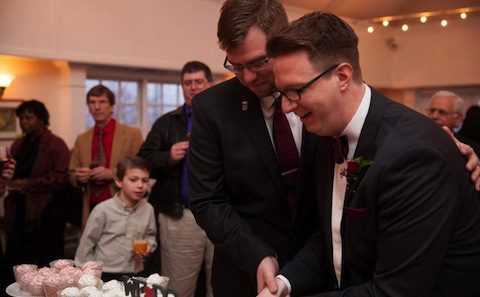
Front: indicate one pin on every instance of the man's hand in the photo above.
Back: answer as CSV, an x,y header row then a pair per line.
x,y
101,174
473,163
8,168
82,175
281,292
17,185
178,151
266,272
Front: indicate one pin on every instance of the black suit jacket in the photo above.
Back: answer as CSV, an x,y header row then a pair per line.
x,y
412,225
236,191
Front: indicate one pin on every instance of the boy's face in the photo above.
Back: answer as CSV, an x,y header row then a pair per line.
x,y
134,184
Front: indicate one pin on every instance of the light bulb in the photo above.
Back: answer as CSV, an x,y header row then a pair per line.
x,y
404,27
444,23
463,15
423,19
385,23
370,29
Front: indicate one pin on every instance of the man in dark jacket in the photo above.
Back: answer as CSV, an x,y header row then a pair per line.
x,y
184,245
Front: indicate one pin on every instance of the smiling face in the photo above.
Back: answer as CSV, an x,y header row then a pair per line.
x,y
320,108
251,49
133,185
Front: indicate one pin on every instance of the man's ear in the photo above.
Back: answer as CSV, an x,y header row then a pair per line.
x,y
344,73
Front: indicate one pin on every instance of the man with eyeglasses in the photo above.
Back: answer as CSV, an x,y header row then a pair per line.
x,y
185,249
245,172
447,109
398,216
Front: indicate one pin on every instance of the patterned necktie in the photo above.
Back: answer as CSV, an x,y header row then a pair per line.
x,y
339,147
100,153
287,153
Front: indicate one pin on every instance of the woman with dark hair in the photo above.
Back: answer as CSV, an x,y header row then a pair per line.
x,y
471,124
34,216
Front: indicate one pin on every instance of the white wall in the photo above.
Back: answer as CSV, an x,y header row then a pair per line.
x,y
141,33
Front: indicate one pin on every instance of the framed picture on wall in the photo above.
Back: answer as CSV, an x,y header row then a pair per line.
x,y
9,127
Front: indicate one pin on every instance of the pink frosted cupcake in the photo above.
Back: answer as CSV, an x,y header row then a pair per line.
x,y
26,279
20,270
52,284
93,268
62,263
35,287
71,275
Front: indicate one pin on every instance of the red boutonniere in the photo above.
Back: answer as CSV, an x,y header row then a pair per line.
x,y
355,170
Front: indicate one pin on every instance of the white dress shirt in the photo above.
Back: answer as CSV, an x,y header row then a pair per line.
x,y
352,131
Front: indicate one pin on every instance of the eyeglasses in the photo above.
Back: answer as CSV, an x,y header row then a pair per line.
x,y
295,94
441,112
256,65
198,82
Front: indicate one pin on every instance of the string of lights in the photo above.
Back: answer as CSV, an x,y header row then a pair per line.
x,y
406,21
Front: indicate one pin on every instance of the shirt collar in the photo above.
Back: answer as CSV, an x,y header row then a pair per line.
x,y
122,205
354,127
109,127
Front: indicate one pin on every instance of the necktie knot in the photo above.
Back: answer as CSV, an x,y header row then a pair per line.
x,y
339,147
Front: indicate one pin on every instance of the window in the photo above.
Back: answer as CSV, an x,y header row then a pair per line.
x,y
135,109
162,98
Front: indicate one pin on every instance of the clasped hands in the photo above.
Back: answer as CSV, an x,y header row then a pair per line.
x,y
98,174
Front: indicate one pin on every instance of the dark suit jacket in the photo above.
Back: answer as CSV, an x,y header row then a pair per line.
x,y
235,188
410,228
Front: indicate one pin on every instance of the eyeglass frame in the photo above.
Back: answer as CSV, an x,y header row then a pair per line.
x,y
441,112
299,90
197,82
249,65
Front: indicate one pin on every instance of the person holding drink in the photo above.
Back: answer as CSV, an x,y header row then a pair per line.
x,y
34,209
185,246
120,232
97,151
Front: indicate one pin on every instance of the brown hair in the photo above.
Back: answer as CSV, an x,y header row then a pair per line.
x,y
100,90
326,38
195,66
133,162
238,16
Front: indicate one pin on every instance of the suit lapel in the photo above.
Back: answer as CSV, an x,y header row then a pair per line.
x,y
252,118
117,144
324,178
367,142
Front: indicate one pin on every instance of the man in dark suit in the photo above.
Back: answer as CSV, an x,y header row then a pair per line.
x,y
401,217
238,193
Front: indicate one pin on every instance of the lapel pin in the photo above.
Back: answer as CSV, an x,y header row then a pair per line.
x,y
244,105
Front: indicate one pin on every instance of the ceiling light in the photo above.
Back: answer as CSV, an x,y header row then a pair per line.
x,y
444,23
370,29
404,27
423,19
463,15
385,23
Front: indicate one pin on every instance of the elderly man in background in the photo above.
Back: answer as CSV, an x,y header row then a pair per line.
x,y
447,109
